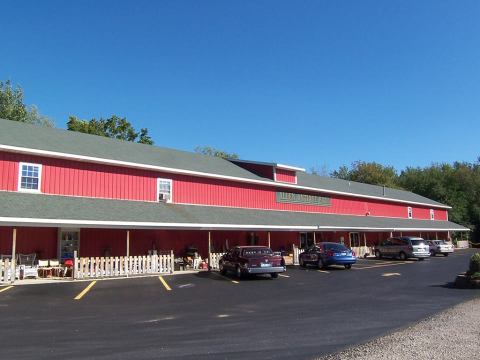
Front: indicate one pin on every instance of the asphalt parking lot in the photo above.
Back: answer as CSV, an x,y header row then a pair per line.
x,y
303,314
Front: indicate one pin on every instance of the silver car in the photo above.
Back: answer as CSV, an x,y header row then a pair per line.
x,y
440,247
403,247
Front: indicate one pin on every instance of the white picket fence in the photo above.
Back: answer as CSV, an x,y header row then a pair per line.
x,y
361,251
462,244
98,267
5,270
213,260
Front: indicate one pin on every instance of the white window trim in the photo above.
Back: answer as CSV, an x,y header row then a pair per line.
x,y
171,188
409,212
432,214
19,184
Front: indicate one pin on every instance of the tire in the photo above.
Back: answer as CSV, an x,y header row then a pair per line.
x,y
222,269
378,254
238,272
446,254
274,275
348,266
432,253
421,259
402,256
302,263
321,264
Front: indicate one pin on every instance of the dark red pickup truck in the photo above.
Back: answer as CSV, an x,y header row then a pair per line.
x,y
245,260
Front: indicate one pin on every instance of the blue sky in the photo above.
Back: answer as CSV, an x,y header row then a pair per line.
x,y
305,83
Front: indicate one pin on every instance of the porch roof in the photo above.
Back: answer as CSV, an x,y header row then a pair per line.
x,y
22,209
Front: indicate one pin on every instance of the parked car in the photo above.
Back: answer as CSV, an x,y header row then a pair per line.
x,y
245,260
440,247
403,247
328,253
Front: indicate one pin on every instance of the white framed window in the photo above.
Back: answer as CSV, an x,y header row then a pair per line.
x,y
410,212
29,177
164,190
432,214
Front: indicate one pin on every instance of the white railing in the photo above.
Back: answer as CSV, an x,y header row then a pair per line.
x,y
213,260
120,266
361,251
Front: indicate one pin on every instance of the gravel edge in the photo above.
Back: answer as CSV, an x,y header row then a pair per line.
x,y
451,334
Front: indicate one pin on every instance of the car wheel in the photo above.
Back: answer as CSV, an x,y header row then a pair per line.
x,y
421,259
274,275
378,254
222,269
402,256
432,252
348,266
302,263
238,272
321,264
446,254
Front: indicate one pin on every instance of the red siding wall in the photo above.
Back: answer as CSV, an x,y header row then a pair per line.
x,y
62,177
42,241
8,171
286,176
222,193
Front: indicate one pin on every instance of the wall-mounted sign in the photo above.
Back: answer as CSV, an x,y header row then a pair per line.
x,y
293,198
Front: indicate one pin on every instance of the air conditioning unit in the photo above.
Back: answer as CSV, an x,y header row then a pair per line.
x,y
163,197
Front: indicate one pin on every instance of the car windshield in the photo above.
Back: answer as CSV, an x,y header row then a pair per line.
x,y
256,252
439,242
335,247
418,242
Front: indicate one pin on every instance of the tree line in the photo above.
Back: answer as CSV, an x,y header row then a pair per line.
x,y
457,184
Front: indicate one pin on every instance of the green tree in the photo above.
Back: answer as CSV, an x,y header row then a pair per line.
x,y
12,106
211,151
113,127
368,173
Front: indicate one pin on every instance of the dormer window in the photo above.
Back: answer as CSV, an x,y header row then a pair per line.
x,y
432,214
410,212
164,190
29,177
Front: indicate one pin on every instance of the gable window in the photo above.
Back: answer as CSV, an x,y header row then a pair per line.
x,y
410,213
432,214
164,190
29,177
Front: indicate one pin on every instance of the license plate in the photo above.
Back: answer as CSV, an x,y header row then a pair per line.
x,y
343,254
265,265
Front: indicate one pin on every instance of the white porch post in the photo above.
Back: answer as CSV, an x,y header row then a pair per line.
x,y
209,243
364,239
14,262
128,243
391,234
127,260
314,238
269,244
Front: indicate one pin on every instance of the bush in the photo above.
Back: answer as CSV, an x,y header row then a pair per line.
x,y
475,263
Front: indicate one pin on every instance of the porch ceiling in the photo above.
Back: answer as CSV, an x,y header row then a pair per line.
x,y
21,209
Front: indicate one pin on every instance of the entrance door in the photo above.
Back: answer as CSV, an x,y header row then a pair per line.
x,y
354,239
306,240
68,242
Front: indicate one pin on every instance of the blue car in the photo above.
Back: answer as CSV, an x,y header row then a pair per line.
x,y
328,253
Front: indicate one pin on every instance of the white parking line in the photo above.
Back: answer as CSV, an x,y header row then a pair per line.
x,y
324,271
285,276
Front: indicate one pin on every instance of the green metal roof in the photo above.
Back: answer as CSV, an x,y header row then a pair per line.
x,y
50,210
18,134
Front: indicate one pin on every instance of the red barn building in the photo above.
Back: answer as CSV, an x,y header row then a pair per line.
x,y
64,191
